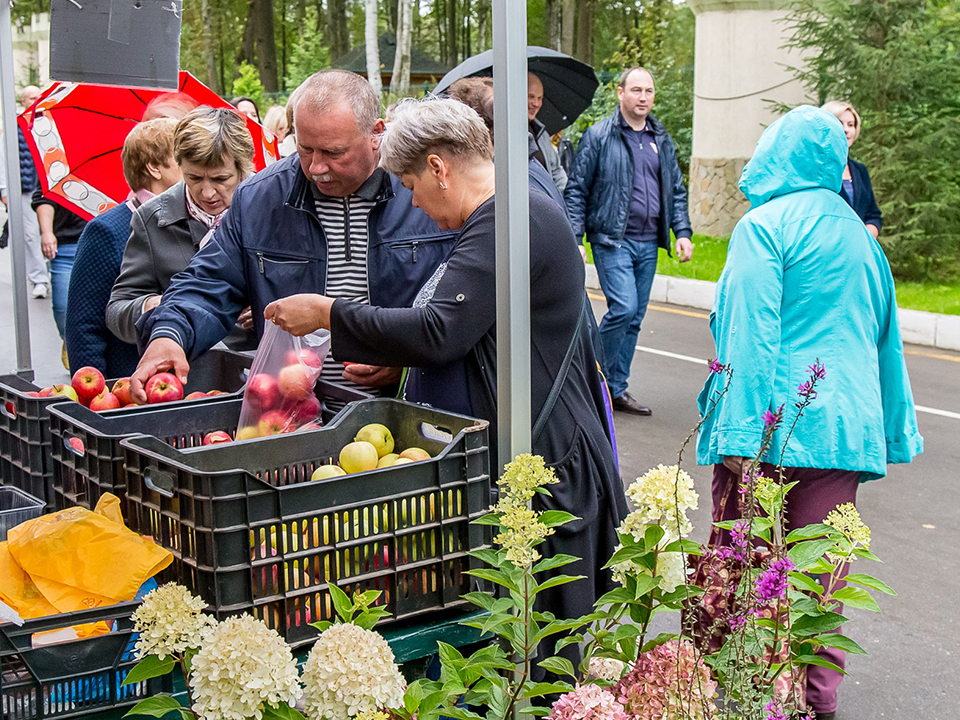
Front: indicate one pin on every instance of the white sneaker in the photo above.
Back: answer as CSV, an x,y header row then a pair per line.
x,y
39,291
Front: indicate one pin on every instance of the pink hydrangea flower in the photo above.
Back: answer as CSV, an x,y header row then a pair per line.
x,y
668,683
588,702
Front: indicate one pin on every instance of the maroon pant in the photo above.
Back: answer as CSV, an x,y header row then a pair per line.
x,y
816,494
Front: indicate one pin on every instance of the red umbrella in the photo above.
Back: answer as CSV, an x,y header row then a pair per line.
x,y
75,132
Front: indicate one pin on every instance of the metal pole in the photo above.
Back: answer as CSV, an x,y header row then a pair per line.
x,y
11,148
513,230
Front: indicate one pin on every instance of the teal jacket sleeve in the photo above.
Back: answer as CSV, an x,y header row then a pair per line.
x,y
748,336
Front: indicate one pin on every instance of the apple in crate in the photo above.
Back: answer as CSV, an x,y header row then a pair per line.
x,y
263,391
358,457
248,432
275,422
66,391
414,454
216,437
327,471
163,387
88,382
214,393
388,460
104,401
377,435
121,388
295,383
195,395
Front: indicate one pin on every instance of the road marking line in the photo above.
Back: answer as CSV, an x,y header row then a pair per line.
x,y
935,356
701,361
661,308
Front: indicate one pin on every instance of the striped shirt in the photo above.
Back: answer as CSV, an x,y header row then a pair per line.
x,y
344,222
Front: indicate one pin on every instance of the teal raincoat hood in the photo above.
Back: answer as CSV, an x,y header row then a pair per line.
x,y
804,149
804,281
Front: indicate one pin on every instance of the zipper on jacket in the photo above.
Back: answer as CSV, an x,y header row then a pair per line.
x,y
346,229
260,259
413,244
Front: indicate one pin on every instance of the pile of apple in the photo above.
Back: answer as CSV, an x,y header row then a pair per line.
x,y
89,387
372,448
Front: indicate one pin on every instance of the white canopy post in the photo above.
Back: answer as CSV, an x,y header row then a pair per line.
x,y
11,148
513,230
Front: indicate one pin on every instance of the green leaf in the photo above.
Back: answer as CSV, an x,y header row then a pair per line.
x,y
488,519
866,554
369,618
805,582
870,582
158,707
281,712
652,537
545,688
461,713
624,554
558,665
558,580
556,518
554,562
341,603
808,532
616,596
815,624
495,576
856,597
819,661
569,640
150,667
645,584
321,625
840,642
489,556
534,710
661,639
806,553
412,697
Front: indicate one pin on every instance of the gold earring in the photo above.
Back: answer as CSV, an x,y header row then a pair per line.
x,y
443,186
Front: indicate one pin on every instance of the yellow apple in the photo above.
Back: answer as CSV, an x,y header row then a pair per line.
x,y
248,432
402,461
415,454
359,457
377,435
327,471
387,460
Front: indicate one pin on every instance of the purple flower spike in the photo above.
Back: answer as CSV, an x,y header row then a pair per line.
x,y
716,366
774,712
817,370
738,533
805,390
772,582
769,419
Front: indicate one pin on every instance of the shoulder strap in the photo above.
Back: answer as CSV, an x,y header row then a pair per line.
x,y
560,379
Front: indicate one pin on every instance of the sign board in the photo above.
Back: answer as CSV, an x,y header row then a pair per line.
x,y
116,42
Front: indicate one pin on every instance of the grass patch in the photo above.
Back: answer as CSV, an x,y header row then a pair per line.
x,y
710,254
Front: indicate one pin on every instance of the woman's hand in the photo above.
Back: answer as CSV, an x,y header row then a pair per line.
x,y
734,463
300,314
48,245
372,375
246,319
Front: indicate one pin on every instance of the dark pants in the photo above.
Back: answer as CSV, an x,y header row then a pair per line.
x,y
816,494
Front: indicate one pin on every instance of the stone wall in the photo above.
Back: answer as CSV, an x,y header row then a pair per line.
x,y
715,201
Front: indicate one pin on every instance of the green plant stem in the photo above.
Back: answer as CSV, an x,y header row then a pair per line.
x,y
527,606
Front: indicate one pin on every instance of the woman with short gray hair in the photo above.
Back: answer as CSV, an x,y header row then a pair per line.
x,y
441,150
214,152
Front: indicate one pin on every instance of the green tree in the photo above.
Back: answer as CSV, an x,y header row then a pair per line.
x,y
897,62
310,53
248,84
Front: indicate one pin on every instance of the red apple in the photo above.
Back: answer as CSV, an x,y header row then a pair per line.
x,y
306,410
195,395
295,383
104,401
216,437
33,393
263,391
121,388
76,444
88,382
214,393
163,387
306,356
130,405
46,392
274,423
66,391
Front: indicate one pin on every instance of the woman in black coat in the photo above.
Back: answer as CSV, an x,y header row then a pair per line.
x,y
856,189
441,150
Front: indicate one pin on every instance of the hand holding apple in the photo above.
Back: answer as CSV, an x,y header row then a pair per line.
x,y
163,387
162,354
300,314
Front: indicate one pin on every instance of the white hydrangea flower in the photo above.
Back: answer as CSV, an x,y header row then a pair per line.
x,y
349,671
662,496
605,668
170,621
242,667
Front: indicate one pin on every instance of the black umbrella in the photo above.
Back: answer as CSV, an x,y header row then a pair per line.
x,y
568,84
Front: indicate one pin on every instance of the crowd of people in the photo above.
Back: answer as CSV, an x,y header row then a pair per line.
x,y
384,233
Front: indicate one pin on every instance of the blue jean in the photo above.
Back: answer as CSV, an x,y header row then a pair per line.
x,y
626,273
60,268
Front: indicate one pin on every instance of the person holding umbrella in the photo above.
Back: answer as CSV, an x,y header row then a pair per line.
x,y
551,158
626,192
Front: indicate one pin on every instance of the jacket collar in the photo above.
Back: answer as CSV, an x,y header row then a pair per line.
x,y
653,125
377,187
173,210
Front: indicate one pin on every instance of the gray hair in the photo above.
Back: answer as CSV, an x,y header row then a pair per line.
x,y
323,89
432,125
838,108
206,136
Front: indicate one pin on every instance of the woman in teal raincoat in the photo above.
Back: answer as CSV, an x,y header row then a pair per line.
x,y
805,282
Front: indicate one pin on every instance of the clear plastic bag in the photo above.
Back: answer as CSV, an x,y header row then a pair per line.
x,y
279,395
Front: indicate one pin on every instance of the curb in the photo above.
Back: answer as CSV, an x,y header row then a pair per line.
x,y
916,326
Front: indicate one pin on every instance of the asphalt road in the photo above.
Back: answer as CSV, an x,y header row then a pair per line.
x,y
913,667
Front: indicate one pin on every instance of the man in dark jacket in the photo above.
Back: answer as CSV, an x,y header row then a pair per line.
x,y
326,220
626,192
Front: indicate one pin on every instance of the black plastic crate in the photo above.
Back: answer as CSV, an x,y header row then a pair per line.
x,y
26,461
72,679
84,470
250,533
17,507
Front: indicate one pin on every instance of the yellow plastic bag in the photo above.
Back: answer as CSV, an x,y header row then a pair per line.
x,y
18,591
80,559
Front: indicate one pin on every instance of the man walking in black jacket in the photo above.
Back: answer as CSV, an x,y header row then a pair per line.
x,y
626,193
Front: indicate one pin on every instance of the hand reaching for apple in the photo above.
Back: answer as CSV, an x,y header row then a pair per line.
x,y
300,314
246,319
161,355
372,375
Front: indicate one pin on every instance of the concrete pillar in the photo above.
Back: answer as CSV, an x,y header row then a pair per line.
x,y
740,70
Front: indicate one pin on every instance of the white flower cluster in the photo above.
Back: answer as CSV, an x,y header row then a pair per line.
x,y
242,666
169,622
349,671
606,668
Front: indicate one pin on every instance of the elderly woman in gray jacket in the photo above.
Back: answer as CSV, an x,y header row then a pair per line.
x,y
214,150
